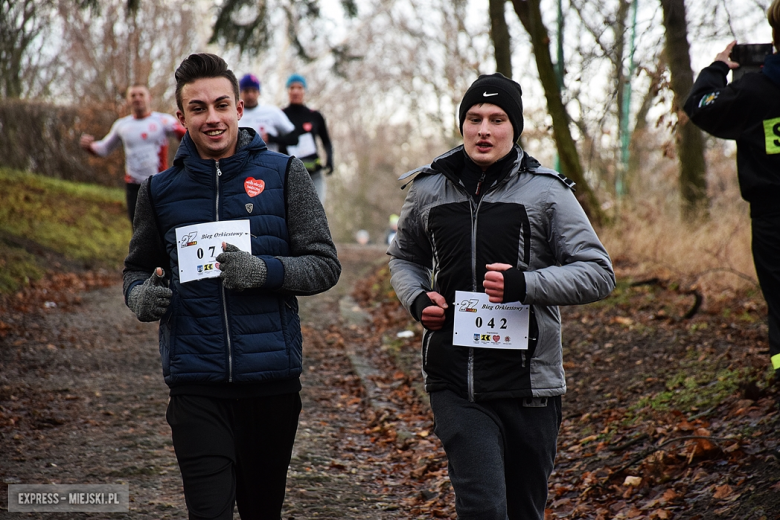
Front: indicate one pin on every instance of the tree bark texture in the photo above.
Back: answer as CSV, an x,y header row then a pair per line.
x,y
20,23
499,33
531,17
689,139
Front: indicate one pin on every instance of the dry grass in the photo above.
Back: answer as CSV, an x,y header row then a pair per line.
x,y
714,254
650,239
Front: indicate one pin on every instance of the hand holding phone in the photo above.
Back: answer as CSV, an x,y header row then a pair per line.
x,y
749,57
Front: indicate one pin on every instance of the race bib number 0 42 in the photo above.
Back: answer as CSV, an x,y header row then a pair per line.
x,y
480,323
200,244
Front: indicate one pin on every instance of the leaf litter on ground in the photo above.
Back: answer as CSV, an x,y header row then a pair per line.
x,y
665,417
669,414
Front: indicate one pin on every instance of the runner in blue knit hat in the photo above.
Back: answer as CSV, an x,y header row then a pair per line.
x,y
309,124
295,78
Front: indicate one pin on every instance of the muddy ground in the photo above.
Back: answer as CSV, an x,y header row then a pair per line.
x,y
671,411
82,401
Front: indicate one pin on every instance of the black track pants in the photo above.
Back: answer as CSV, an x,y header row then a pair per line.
x,y
766,255
131,195
234,451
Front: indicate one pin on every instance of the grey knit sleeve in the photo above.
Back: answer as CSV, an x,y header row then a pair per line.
x,y
146,251
313,265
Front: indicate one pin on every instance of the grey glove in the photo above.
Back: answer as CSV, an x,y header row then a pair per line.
x,y
240,270
151,299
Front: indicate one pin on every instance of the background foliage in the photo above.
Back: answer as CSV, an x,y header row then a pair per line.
x,y
387,75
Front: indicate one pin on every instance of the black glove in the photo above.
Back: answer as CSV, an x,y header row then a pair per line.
x,y
514,285
240,270
151,299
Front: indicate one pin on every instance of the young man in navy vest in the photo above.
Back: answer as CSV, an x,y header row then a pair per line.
x,y
230,337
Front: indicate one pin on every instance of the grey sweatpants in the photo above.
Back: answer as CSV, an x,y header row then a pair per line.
x,y
501,453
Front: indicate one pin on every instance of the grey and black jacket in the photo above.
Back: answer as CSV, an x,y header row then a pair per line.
x,y
528,218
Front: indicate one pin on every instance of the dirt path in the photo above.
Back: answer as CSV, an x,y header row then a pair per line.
x,y
82,401
331,474
671,412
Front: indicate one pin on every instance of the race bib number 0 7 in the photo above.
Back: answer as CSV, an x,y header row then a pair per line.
x,y
480,323
200,244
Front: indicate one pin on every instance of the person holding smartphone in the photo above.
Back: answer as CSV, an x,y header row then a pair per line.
x,y
748,111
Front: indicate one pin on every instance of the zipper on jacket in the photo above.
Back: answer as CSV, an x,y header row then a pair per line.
x,y
479,184
471,375
426,345
474,218
428,336
436,263
222,287
474,282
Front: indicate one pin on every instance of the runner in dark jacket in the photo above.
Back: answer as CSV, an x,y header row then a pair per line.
x,y
309,125
486,221
748,111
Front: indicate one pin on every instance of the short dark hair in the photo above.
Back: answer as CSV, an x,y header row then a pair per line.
x,y
203,65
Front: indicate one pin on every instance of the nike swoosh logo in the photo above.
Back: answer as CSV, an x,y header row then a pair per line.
x,y
488,95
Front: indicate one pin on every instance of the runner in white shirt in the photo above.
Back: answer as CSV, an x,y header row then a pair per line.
x,y
269,121
144,135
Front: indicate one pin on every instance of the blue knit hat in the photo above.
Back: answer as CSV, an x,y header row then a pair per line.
x,y
249,81
296,78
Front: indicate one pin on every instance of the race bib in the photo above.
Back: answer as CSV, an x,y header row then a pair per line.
x,y
480,323
305,147
200,244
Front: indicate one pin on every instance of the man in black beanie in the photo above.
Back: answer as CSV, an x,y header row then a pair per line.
x,y
489,243
498,90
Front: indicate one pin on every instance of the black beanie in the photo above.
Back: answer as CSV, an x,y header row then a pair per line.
x,y
498,90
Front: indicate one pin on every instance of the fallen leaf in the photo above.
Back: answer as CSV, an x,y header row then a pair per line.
x,y
634,512
669,495
722,492
632,481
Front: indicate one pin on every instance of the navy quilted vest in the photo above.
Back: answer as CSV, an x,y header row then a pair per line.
x,y
210,334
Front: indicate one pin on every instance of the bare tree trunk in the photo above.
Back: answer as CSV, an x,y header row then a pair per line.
x,y
531,17
689,140
134,47
638,150
499,33
21,22
619,30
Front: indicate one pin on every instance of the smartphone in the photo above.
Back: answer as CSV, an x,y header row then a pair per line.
x,y
750,57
